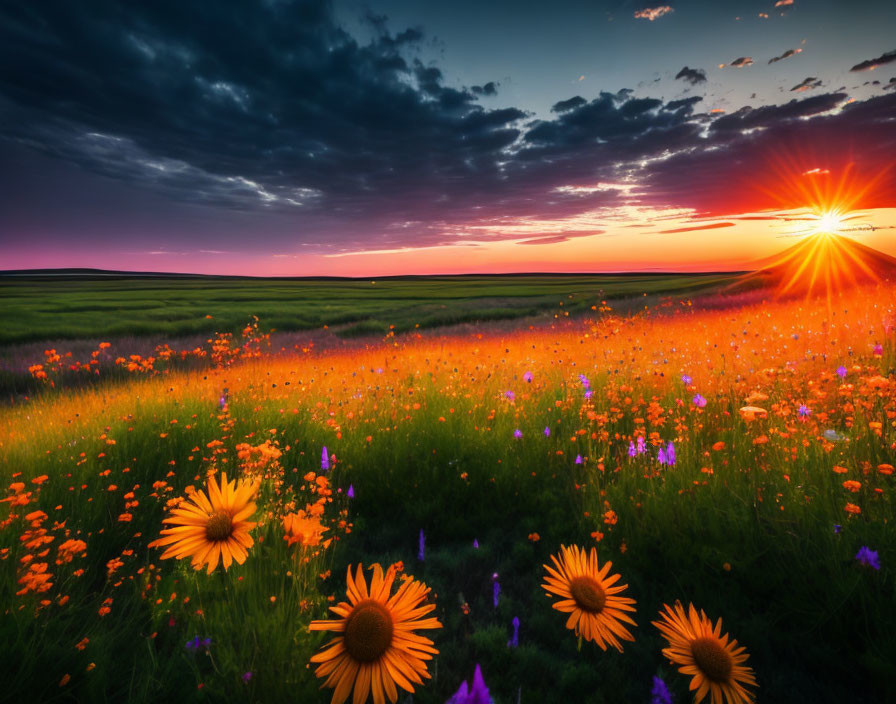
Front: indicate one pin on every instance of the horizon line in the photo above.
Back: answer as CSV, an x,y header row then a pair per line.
x,y
89,271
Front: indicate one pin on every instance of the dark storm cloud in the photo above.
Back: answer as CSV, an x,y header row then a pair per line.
x,y
872,64
274,108
806,84
604,120
692,75
786,55
684,105
770,115
569,104
739,171
268,106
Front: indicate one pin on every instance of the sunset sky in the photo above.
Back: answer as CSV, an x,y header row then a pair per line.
x,y
406,137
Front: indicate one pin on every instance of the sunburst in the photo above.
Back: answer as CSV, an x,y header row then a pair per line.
x,y
825,209
829,222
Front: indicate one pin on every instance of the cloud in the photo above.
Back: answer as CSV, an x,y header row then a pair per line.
x,y
742,62
562,237
490,88
297,116
692,75
806,84
740,169
748,118
570,104
652,13
783,3
695,228
684,105
786,55
872,64
345,145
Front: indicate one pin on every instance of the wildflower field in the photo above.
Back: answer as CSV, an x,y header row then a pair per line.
x,y
566,511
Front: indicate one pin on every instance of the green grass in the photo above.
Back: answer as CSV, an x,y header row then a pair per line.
x,y
66,307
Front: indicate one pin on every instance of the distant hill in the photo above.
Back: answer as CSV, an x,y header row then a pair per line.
x,y
87,274
821,264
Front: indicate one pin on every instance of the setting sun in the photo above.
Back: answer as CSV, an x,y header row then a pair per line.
x,y
829,222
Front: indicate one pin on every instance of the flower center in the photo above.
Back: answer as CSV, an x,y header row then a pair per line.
x,y
712,659
368,631
588,594
219,526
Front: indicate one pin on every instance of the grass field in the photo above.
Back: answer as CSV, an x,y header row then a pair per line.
x,y
71,307
471,460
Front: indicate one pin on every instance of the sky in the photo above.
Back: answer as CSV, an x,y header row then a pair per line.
x,y
347,138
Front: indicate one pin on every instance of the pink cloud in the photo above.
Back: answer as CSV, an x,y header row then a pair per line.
x,y
652,13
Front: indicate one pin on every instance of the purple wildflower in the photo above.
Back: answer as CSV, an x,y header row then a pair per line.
x,y
527,377
510,395
247,676
421,552
685,379
196,643
476,543
642,447
661,456
584,380
547,432
868,557
670,453
631,449
579,459
477,693
324,459
841,372
660,693
588,393
496,591
878,350
517,433
803,411
515,638
351,491
837,528
699,401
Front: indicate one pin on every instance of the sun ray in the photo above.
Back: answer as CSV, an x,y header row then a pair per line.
x,y
826,206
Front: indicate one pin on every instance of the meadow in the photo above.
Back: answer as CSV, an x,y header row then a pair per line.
x,y
88,305
739,459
